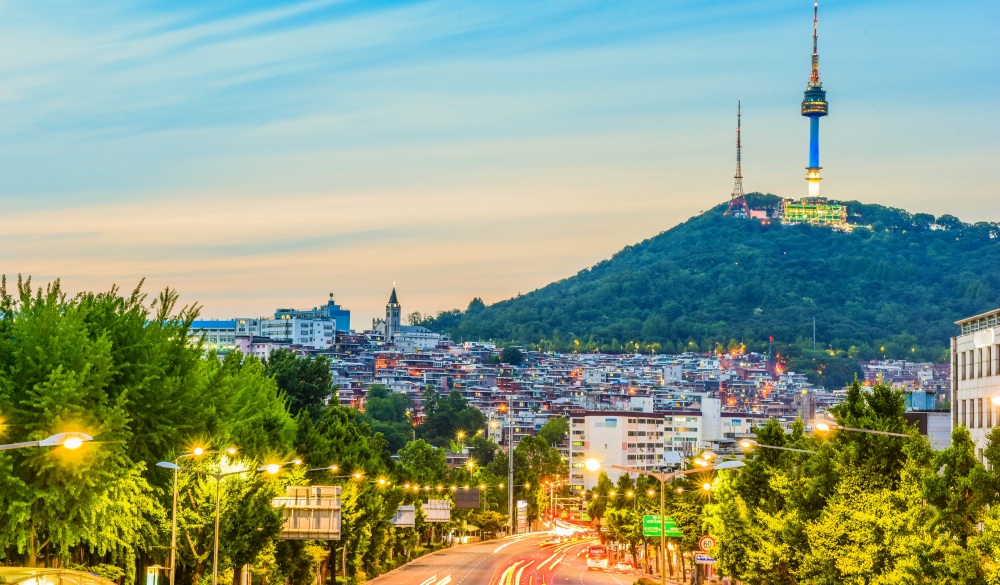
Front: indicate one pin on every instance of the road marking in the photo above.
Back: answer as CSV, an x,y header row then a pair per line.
x,y
505,576
517,579
444,581
545,562
503,546
429,581
552,567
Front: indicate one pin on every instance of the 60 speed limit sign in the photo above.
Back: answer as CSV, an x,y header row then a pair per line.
x,y
706,543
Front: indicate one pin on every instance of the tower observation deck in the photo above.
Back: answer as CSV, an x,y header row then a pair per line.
x,y
814,106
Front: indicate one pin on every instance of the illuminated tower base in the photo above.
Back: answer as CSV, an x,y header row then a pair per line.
x,y
812,175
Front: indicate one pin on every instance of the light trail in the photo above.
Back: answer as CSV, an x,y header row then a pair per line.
x,y
505,576
517,579
553,566
545,562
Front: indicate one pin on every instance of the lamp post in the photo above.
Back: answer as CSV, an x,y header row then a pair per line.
x,y
593,465
218,481
510,465
196,452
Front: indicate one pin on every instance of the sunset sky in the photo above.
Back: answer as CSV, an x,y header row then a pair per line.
x,y
257,155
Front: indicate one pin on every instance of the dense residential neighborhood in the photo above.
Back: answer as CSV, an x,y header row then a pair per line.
x,y
700,400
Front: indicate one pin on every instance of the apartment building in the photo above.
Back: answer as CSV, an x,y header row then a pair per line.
x,y
629,439
975,376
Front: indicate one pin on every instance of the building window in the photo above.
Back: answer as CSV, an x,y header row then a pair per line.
x,y
979,411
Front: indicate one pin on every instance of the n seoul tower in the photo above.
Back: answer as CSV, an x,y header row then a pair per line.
x,y
814,107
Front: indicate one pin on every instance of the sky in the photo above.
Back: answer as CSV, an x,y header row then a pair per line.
x,y
255,155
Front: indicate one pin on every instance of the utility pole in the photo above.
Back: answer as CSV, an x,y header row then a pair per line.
x,y
510,465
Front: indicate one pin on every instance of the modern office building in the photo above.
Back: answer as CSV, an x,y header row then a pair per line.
x,y
330,310
975,376
216,335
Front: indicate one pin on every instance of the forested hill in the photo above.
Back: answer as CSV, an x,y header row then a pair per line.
x,y
899,285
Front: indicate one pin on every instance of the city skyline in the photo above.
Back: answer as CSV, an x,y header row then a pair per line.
x,y
262,157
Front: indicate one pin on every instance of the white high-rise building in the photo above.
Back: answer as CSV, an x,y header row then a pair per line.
x,y
629,439
975,376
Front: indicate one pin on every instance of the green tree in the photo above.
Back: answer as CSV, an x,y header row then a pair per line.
x,y
305,380
445,416
554,430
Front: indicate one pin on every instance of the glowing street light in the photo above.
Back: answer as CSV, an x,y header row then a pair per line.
x,y
218,481
593,465
71,440
750,444
829,425
198,451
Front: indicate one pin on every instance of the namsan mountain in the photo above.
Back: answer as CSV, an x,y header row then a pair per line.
x,y
892,287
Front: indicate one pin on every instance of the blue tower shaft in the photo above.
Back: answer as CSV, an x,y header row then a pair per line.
x,y
814,142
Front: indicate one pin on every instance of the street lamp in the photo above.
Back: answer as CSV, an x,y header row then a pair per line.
x,y
196,452
72,441
751,444
594,465
218,480
829,425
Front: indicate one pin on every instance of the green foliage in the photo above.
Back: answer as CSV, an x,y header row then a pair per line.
x,y
512,356
858,508
306,381
389,413
122,370
489,521
715,278
446,416
554,430
423,464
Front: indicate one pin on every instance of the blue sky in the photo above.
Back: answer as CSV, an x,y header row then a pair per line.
x,y
256,155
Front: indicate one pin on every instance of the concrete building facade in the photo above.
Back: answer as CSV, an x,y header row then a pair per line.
x,y
975,376
629,439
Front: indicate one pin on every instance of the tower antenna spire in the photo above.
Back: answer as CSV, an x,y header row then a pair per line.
x,y
738,186
738,204
814,78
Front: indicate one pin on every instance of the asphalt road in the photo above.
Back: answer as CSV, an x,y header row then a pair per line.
x,y
521,560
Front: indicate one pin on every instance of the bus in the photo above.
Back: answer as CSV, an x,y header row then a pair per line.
x,y
597,557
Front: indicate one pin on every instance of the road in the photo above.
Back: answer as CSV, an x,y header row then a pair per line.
x,y
520,560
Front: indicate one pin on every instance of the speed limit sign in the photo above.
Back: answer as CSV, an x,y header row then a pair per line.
x,y
706,543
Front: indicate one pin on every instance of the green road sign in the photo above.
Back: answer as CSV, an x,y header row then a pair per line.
x,y
651,527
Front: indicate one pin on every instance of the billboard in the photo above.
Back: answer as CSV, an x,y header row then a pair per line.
x,y
406,517
437,510
522,516
311,512
467,499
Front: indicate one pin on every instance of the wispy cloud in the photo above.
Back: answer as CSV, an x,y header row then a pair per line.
x,y
275,147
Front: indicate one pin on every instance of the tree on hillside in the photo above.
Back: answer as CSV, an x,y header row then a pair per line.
x,y
512,356
389,413
445,416
554,430
423,464
305,380
716,278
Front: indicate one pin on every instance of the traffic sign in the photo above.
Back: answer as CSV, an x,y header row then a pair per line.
x,y
651,527
706,543
704,559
